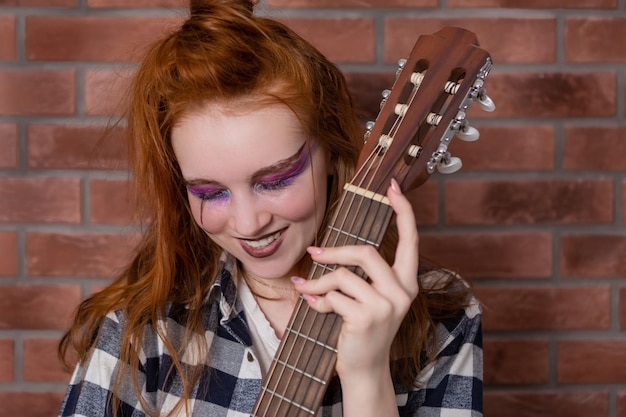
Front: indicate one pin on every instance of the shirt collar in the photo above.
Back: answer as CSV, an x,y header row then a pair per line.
x,y
224,290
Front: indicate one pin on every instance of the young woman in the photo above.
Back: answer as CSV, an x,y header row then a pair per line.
x,y
241,138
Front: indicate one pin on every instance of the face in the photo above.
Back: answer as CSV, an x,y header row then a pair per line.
x,y
256,184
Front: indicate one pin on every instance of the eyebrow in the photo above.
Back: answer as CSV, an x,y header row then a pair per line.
x,y
276,167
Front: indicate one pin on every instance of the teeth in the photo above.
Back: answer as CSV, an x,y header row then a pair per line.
x,y
263,242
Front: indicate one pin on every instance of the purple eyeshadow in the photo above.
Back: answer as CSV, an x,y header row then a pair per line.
x,y
288,175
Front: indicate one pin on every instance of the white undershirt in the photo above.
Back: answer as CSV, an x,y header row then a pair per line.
x,y
263,336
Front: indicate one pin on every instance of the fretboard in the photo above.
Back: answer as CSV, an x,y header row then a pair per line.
x,y
305,360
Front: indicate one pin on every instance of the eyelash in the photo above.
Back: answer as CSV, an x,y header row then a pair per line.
x,y
262,186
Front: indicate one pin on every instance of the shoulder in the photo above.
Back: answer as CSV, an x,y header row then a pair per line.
x,y
461,317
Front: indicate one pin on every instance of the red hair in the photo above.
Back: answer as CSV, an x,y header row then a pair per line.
x,y
221,54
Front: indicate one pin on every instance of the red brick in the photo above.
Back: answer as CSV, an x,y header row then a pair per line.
x,y
37,92
621,404
558,95
537,4
134,4
42,3
508,148
529,201
38,404
352,3
591,361
401,34
588,39
502,364
488,255
7,356
622,308
77,254
76,147
110,201
8,50
517,95
536,95
8,145
352,39
105,91
91,38
40,362
546,308
547,403
593,255
425,202
37,307
624,202
8,249
594,148
40,199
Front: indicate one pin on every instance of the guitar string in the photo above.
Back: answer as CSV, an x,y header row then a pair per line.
x,y
303,320
302,306
361,200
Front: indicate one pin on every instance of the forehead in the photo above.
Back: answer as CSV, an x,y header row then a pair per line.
x,y
221,141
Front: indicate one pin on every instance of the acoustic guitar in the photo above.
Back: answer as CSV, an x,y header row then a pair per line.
x,y
409,140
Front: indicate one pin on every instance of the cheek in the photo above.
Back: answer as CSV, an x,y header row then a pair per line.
x,y
211,219
304,203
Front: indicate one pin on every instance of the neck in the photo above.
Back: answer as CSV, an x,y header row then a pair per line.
x,y
270,289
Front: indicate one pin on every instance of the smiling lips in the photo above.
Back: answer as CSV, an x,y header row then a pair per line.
x,y
263,247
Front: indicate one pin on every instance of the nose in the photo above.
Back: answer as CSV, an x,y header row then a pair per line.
x,y
249,215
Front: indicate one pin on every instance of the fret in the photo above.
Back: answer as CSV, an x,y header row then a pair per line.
x,y
324,267
359,220
312,340
356,238
288,401
306,357
300,371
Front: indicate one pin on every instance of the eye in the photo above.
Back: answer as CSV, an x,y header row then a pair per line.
x,y
209,195
276,184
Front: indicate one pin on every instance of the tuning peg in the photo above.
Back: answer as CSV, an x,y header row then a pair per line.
x,y
484,101
369,126
401,64
468,133
449,164
385,95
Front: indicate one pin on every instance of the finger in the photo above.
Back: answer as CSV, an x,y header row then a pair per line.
x,y
341,280
407,253
364,256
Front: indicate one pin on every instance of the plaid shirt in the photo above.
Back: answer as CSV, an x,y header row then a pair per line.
x,y
451,386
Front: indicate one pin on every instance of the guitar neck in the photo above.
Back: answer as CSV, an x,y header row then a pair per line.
x,y
305,360
419,116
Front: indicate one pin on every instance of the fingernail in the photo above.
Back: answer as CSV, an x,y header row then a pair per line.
x,y
395,186
314,250
309,298
297,280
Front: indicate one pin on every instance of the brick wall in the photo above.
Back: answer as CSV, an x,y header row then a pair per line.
x,y
536,219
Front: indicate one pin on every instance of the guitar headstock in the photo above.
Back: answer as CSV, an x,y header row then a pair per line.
x,y
424,110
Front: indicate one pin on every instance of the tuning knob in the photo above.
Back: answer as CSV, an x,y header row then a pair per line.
x,y
401,64
468,133
485,102
369,126
385,95
449,165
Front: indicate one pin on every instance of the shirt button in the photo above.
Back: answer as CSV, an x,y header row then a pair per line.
x,y
250,357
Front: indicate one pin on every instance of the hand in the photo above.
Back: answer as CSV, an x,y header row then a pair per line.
x,y
372,312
